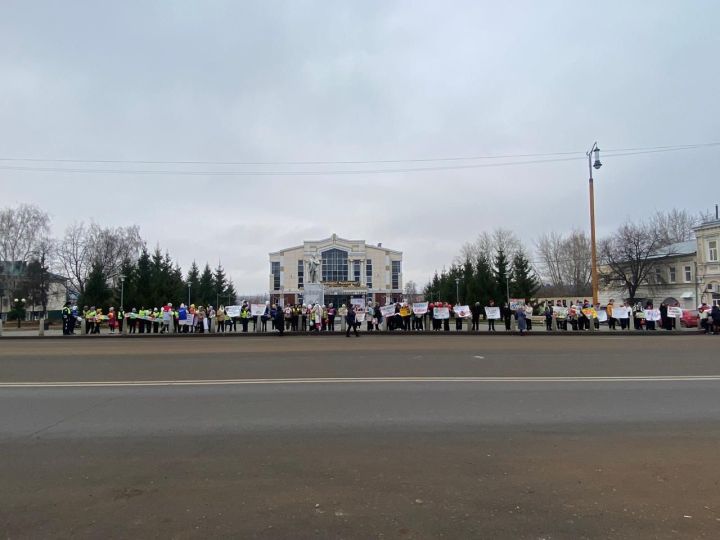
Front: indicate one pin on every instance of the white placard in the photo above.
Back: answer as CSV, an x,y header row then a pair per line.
x,y
462,311
257,310
516,303
359,303
387,311
674,312
652,314
492,312
621,312
602,316
560,312
232,311
441,313
360,317
420,308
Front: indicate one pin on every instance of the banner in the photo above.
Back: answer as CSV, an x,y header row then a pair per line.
x,y
652,314
560,312
621,312
359,303
516,303
387,311
492,312
674,312
602,316
232,311
188,321
420,308
441,313
462,311
256,310
590,313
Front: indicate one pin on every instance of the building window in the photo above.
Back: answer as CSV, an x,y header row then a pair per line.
x,y
712,251
334,265
688,274
395,274
672,274
275,271
301,273
356,271
658,275
368,273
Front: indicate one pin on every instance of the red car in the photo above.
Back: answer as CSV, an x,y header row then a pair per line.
x,y
690,318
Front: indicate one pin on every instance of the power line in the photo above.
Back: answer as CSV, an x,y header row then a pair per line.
x,y
181,172
578,153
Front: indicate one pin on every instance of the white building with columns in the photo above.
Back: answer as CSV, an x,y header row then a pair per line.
x,y
346,269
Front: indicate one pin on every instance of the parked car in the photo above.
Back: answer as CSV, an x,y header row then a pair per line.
x,y
690,318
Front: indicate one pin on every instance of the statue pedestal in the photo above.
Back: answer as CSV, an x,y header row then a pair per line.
x,y
314,293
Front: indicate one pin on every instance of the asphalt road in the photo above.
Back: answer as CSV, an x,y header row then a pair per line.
x,y
455,437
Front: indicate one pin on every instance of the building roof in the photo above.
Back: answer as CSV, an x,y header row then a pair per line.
x,y
708,225
335,238
676,250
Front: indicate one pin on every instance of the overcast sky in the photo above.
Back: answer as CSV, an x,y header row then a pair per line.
x,y
354,81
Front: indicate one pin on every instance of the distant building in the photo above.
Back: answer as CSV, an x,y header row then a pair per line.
x,y
708,261
346,269
686,273
13,284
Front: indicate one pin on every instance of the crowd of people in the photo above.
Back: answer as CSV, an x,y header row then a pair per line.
x,y
400,316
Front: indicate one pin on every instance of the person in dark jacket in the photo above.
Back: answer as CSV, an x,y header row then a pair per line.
x,y
475,312
350,320
506,315
280,320
715,316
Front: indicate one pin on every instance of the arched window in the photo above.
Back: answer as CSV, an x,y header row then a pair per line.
x,y
335,265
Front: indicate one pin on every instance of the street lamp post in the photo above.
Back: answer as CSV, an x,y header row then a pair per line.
x,y
189,285
122,293
457,290
594,152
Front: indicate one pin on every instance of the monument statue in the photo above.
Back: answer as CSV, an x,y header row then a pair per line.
x,y
313,263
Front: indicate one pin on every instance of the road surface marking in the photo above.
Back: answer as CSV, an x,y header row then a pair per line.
x,y
361,380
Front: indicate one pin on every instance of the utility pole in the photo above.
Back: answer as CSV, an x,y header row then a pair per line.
x,y
594,273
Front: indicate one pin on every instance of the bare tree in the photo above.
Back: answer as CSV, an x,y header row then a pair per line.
x,y
83,247
629,256
675,225
550,251
565,261
38,277
21,229
411,291
488,244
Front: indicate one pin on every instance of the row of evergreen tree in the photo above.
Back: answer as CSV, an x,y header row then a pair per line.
x,y
483,279
153,280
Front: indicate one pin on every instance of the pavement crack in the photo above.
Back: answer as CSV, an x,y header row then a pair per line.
x,y
76,414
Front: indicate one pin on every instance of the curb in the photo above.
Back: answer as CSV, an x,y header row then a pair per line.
x,y
312,335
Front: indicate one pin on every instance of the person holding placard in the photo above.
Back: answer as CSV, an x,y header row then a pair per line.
x,y
649,317
491,320
609,310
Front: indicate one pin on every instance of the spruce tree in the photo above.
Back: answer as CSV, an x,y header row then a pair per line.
x,y
193,280
96,291
230,294
525,283
219,283
145,293
501,277
487,286
206,288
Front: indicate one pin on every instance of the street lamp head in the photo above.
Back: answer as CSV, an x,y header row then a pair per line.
x,y
597,163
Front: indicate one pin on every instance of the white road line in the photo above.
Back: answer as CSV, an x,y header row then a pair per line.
x,y
361,380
